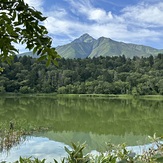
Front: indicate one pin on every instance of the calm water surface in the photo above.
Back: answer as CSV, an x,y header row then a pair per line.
x,y
91,120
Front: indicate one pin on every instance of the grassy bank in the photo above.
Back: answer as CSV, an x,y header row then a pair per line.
x,y
110,96
9,94
113,96
151,97
96,96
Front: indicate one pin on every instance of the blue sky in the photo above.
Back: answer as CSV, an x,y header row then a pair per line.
x,y
130,21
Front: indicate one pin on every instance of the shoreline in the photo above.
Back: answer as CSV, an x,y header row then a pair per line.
x,y
110,96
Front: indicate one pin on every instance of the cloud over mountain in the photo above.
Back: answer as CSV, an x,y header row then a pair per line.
x,y
138,22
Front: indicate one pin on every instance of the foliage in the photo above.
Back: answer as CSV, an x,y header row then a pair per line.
x,y
114,154
13,134
29,160
103,75
76,155
117,154
10,138
21,24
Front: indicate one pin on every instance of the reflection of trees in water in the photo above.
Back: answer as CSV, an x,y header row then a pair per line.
x,y
85,114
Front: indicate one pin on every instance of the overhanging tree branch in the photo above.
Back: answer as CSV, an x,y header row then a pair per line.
x,y
20,23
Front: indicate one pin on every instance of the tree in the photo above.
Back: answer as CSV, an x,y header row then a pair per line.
x,y
21,24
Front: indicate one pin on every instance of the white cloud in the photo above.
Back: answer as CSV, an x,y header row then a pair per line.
x,y
56,21
100,15
136,24
145,14
56,26
91,13
56,12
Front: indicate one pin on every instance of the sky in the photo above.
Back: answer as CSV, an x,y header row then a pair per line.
x,y
129,21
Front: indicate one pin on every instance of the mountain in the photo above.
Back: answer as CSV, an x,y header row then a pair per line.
x,y
79,48
28,54
87,46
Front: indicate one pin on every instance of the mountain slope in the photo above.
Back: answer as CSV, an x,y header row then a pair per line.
x,y
87,46
79,48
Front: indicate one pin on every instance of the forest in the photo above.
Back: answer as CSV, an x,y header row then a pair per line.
x,y
101,75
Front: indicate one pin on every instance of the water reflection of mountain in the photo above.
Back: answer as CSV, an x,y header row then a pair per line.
x,y
85,115
94,141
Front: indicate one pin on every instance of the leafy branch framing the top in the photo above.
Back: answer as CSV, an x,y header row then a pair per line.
x,y
21,24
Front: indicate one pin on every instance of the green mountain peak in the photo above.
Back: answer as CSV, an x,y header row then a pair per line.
x,y
84,38
87,46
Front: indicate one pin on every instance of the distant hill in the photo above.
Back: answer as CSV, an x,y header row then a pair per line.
x,y
87,46
28,54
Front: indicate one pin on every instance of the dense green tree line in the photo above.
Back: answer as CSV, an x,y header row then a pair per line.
x,y
102,75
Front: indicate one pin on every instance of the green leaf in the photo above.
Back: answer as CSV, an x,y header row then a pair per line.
x,y
55,63
41,58
30,46
35,50
74,145
21,160
78,151
48,62
55,161
158,157
39,51
67,150
14,15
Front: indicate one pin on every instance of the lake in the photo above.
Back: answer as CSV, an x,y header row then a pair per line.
x,y
81,119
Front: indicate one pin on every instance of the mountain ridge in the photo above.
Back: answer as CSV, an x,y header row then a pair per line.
x,y
87,46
